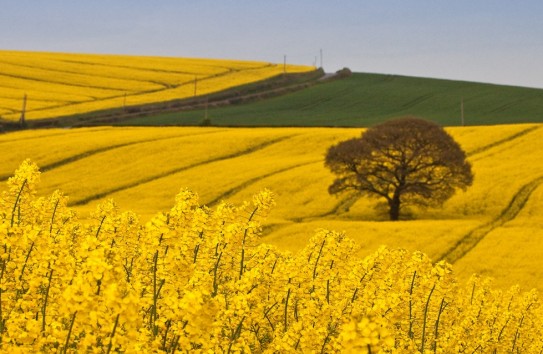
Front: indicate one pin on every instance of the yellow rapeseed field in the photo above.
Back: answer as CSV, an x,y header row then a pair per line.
x,y
199,279
142,169
58,84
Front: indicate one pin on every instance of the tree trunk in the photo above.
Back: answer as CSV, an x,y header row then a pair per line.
x,y
394,205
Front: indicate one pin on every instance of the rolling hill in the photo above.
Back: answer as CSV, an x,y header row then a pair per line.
x,y
493,228
52,85
365,99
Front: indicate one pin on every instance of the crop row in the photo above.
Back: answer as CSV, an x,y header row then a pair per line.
x,y
142,168
62,84
198,279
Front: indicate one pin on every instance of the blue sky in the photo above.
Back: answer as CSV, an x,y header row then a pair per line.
x,y
495,41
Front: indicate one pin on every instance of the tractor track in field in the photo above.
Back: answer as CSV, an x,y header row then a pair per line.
x,y
88,153
123,93
343,205
148,179
471,239
254,180
503,141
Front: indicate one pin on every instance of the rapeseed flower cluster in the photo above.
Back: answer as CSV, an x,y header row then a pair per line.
x,y
199,279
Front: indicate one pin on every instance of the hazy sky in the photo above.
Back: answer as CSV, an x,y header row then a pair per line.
x,y
498,41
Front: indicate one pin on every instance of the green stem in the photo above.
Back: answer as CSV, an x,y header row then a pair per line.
x,y
215,284
165,338
26,261
241,265
53,217
285,314
100,226
441,309
65,350
317,261
236,334
112,334
411,320
17,202
423,340
44,307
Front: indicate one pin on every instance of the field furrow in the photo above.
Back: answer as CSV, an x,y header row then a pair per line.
x,y
142,169
468,242
169,171
246,184
58,148
86,83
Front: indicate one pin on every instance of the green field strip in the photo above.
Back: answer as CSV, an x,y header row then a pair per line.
x,y
502,141
244,185
124,94
148,179
365,99
469,241
416,101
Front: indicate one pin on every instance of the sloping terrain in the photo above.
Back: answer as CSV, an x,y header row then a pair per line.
x,y
494,227
365,99
50,85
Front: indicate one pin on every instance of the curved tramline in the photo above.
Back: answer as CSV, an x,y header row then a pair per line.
x,y
170,172
200,279
143,168
468,242
53,85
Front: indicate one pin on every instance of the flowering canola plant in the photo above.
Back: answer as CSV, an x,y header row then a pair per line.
x,y
196,279
59,84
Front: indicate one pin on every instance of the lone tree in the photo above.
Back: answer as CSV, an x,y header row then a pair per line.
x,y
407,161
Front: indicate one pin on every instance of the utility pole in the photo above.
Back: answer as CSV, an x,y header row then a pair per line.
x,y
462,110
22,121
284,64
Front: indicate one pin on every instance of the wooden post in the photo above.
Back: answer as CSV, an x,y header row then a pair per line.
x,y
22,121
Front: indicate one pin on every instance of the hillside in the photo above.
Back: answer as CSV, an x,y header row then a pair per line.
x,y
365,99
498,220
52,85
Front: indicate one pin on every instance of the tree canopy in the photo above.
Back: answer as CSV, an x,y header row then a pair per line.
x,y
407,161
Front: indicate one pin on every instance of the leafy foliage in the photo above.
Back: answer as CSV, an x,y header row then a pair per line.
x,y
406,161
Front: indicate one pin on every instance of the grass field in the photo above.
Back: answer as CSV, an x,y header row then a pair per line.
x,y
365,99
494,227
58,84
